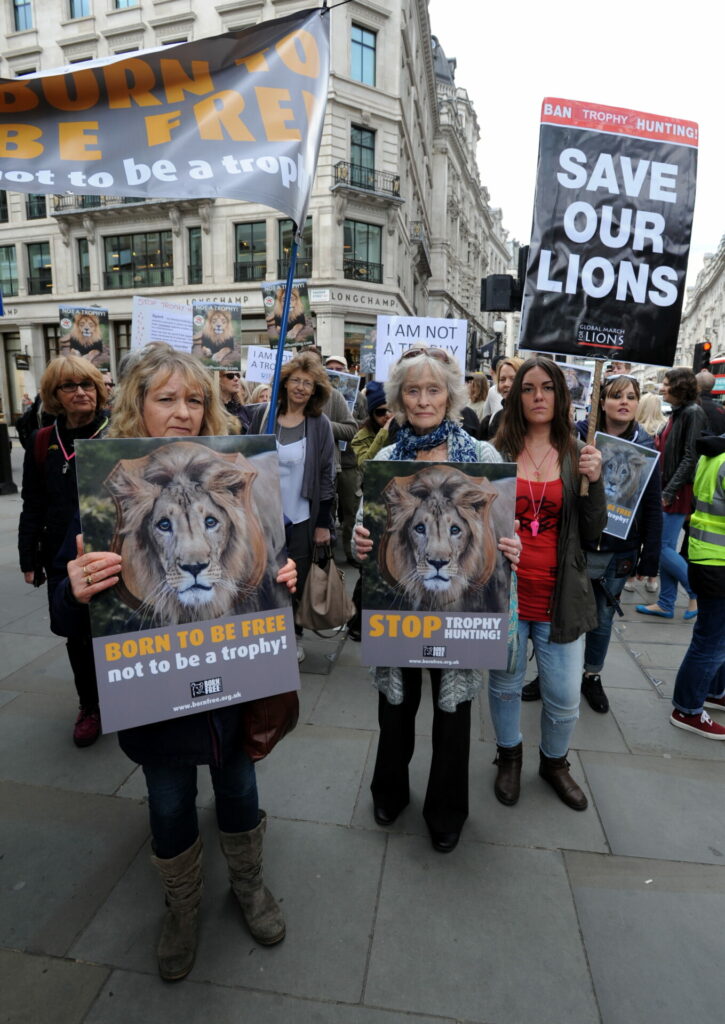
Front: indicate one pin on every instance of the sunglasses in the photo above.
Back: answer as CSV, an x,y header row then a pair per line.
x,y
232,376
424,350
380,412
69,386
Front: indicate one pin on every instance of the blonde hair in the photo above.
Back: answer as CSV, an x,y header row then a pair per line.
x,y
63,368
649,413
512,361
260,389
448,374
160,360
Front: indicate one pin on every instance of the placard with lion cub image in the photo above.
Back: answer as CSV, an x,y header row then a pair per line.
x,y
197,619
436,589
626,470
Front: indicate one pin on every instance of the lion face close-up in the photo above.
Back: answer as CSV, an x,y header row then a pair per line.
x,y
218,325
191,543
438,543
621,474
85,336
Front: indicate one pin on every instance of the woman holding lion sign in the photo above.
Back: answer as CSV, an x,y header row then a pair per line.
x,y
426,392
168,393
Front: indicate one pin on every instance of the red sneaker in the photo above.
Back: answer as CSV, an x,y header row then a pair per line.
x,y
716,703
88,728
701,723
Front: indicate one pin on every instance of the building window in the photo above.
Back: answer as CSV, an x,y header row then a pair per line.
x,y
194,274
122,334
8,270
23,15
250,246
51,344
138,261
35,207
40,279
303,267
121,5
362,157
3,207
80,8
362,249
84,266
362,55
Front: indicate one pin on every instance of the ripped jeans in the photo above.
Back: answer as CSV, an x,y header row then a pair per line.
x,y
560,673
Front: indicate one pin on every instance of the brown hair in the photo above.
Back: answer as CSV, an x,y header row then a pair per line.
x,y
63,368
682,383
306,362
511,434
614,387
479,391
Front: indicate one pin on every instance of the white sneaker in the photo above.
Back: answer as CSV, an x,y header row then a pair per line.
x,y
652,588
629,587
300,653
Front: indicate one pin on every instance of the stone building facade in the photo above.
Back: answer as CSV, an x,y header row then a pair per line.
x,y
398,223
703,318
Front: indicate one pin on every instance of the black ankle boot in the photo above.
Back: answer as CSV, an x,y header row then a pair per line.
x,y
507,786
555,770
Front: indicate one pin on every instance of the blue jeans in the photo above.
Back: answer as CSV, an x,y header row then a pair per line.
x,y
673,567
597,640
172,801
560,672
702,672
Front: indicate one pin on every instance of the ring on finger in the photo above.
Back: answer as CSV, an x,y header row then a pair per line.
x,y
89,580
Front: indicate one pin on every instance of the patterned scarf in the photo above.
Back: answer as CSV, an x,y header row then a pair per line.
x,y
460,445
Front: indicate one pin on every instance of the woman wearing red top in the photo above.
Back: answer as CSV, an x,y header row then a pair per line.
x,y
556,601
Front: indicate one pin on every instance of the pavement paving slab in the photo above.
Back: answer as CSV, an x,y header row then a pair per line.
x,y
449,938
18,650
660,807
63,852
141,998
644,719
46,990
653,933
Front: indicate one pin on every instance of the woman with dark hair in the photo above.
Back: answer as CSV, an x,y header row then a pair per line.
x,y
678,461
71,389
556,602
375,432
306,450
477,385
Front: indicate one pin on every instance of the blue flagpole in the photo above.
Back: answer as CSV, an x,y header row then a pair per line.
x,y
272,418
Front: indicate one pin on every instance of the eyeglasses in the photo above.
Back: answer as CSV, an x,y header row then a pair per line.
x,y
380,412
304,385
69,386
232,376
424,350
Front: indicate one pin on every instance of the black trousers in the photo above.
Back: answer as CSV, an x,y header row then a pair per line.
x,y
446,800
80,656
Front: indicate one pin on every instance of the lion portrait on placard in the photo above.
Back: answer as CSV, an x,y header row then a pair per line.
x,y
84,338
622,473
439,547
188,531
217,334
297,327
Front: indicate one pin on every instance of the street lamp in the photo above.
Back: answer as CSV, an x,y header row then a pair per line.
x,y
499,326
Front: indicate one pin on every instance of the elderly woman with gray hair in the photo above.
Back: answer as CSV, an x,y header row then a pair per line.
x,y
426,393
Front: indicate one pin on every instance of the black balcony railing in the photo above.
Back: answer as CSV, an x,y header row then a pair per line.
x,y
357,176
39,284
360,270
84,281
69,204
194,273
252,270
303,268
149,277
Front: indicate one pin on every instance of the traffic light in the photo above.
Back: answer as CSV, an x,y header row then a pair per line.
x,y
701,358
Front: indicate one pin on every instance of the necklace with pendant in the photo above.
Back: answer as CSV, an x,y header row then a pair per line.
x,y
69,456
534,526
538,467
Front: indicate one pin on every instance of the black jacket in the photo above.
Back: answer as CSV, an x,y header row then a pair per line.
x,y
714,412
688,423
50,496
645,533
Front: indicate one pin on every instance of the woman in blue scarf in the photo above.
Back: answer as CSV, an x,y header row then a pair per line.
x,y
426,392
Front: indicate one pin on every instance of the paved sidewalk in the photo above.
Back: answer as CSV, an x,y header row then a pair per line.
x,y
541,916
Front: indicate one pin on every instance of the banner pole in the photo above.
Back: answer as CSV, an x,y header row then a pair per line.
x,y
593,416
272,417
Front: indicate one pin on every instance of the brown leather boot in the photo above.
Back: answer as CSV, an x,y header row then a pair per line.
x,y
507,786
555,770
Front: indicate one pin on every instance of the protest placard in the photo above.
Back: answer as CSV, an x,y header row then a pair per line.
x,y
348,384
626,471
261,362
615,193
436,588
396,334
84,332
299,323
161,320
197,621
217,334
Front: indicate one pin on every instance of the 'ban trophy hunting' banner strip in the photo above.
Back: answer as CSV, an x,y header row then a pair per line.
x,y
615,193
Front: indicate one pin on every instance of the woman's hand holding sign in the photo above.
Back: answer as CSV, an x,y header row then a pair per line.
x,y
92,571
